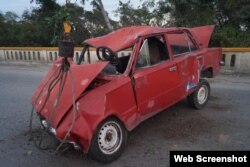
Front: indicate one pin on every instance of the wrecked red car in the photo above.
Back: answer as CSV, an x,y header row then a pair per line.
x,y
123,78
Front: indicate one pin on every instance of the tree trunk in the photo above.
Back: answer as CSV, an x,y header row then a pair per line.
x,y
105,16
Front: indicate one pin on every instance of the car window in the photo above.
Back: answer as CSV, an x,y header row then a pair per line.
x,y
153,50
192,46
179,43
143,59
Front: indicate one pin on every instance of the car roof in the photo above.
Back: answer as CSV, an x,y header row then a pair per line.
x,y
125,37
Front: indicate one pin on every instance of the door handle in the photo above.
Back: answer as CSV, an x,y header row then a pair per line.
x,y
172,69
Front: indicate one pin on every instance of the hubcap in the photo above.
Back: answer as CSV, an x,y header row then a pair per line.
x,y
110,137
202,94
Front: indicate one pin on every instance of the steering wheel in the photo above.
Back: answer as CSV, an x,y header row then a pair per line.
x,y
108,55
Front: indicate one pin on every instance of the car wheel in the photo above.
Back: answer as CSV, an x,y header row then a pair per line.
x,y
199,98
109,141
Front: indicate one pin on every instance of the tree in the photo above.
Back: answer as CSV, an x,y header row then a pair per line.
x,y
231,17
99,5
76,16
94,23
133,16
3,29
9,29
37,27
105,15
38,16
186,12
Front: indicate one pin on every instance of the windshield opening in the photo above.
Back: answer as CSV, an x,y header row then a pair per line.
x,y
118,61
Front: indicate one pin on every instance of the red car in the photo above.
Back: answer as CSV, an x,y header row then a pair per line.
x,y
122,79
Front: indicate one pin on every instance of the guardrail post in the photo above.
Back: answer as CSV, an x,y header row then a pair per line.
x,y
43,56
238,58
2,56
227,59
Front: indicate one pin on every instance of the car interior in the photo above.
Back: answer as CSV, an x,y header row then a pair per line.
x,y
118,61
153,51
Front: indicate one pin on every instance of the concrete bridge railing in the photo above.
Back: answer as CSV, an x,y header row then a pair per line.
x,y
32,55
234,58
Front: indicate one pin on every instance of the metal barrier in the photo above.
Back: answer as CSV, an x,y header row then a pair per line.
x,y
234,58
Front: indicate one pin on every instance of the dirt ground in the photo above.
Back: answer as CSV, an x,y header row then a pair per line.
x,y
222,125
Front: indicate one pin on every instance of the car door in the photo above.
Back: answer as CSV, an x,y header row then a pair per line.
x,y
183,51
155,77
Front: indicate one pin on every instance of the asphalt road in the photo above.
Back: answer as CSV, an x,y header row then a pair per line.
x,y
222,125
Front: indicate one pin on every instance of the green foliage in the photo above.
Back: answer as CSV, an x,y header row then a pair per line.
x,y
133,16
231,17
230,37
42,26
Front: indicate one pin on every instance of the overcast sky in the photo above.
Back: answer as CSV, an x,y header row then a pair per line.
x,y
18,6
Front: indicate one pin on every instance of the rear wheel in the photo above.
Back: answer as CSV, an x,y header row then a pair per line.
x,y
199,98
109,141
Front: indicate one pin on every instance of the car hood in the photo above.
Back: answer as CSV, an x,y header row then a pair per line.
x,y
79,76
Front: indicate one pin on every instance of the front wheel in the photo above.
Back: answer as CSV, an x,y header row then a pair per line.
x,y
109,141
199,98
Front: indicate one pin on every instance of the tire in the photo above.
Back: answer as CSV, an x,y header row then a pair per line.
x,y
199,98
108,141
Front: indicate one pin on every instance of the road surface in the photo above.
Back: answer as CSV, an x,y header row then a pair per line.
x,y
222,125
